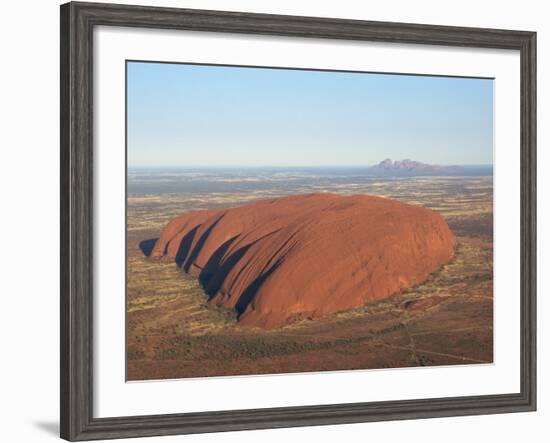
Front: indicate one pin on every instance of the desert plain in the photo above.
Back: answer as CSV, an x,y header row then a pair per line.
x,y
174,332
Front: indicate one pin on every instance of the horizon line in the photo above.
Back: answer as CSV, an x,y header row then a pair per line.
x,y
292,166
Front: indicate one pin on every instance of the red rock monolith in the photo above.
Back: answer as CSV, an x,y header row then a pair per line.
x,y
305,256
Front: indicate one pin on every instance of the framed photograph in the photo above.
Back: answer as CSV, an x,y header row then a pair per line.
x,y
272,221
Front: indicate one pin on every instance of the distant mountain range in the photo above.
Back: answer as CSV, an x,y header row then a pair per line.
x,y
409,167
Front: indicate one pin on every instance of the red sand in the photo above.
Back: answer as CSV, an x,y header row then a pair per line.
x,y
277,261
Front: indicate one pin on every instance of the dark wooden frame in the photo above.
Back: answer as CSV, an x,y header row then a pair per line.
x,y
77,24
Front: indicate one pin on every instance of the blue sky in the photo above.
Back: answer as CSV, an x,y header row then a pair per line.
x,y
190,115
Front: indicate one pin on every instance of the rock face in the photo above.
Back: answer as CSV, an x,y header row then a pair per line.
x,y
277,261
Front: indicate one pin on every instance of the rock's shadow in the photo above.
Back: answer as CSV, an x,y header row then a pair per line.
x,y
147,246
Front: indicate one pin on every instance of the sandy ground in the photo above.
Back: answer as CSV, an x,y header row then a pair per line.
x,y
172,332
